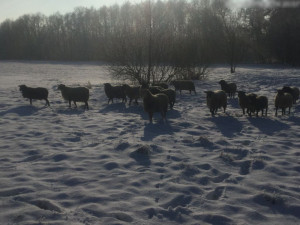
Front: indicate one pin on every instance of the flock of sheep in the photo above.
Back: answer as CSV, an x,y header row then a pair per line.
x,y
251,102
158,97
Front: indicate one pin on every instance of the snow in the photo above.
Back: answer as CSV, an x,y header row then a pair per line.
x,y
108,165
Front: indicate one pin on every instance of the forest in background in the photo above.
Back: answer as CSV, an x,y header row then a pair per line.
x,y
178,33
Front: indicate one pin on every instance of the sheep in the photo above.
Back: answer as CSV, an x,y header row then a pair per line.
x,y
244,101
76,94
161,84
38,93
153,89
283,100
215,100
183,85
171,95
155,103
132,92
258,103
294,91
229,88
157,89
114,92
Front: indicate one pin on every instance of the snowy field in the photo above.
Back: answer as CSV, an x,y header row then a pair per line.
x,y
108,165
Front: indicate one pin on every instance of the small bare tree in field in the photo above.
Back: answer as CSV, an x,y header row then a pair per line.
x,y
139,52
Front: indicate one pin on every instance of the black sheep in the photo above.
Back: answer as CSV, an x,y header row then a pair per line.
x,y
38,93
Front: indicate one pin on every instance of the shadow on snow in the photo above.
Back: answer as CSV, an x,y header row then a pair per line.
x,y
152,130
27,110
267,125
228,125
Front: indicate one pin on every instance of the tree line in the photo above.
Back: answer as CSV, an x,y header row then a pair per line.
x,y
165,37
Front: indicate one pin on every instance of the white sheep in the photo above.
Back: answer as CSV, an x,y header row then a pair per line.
x,y
38,93
76,94
132,92
229,88
283,100
114,92
157,89
215,100
155,103
183,85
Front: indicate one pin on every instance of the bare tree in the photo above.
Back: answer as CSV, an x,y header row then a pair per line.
x,y
139,52
233,31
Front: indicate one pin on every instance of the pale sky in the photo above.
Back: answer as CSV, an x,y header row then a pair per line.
x,y
12,9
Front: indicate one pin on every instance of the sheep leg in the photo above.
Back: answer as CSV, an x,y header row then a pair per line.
x,y
75,104
289,110
47,102
244,111
69,103
130,101
163,114
248,112
86,105
276,111
150,116
110,99
30,100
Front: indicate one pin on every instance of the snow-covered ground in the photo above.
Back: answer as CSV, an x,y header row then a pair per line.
x,y
108,165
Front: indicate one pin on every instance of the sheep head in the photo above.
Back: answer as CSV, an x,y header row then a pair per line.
x,y
107,85
208,94
241,93
287,89
222,82
61,87
22,87
280,92
145,85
